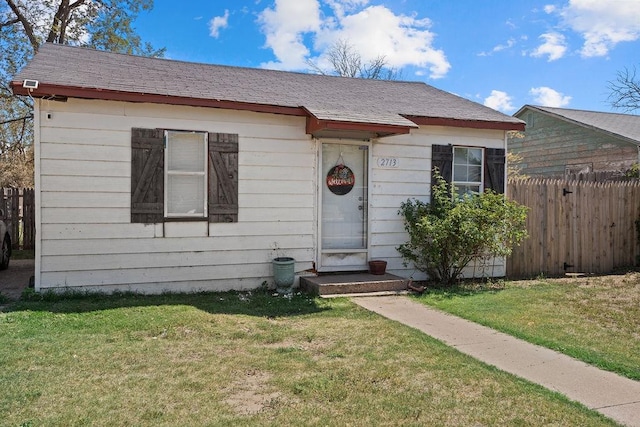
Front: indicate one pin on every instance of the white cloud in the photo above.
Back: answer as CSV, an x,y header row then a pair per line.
x,y
284,26
499,100
500,47
372,31
547,97
217,23
340,7
602,23
554,46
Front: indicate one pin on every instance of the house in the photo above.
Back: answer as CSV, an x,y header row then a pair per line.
x,y
156,175
560,141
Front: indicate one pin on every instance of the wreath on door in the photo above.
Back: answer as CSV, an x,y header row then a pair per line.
x,y
340,179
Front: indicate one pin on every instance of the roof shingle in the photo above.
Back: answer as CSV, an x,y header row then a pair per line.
x,y
329,97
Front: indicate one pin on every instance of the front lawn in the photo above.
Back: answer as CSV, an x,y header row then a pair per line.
x,y
594,319
247,359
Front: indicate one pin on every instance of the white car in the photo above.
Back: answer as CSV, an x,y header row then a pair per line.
x,y
5,254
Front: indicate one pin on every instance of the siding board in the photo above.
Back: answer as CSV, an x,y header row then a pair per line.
x,y
70,184
65,263
132,236
81,152
149,244
85,199
86,168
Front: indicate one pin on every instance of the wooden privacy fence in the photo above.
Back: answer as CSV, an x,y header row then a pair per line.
x,y
19,207
575,227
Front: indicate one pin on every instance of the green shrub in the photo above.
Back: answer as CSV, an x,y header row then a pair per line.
x,y
446,234
633,171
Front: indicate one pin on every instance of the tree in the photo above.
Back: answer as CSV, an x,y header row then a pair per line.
x,y
347,62
24,25
514,160
448,233
625,90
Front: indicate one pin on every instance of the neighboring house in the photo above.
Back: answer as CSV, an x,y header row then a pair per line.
x,y
156,175
559,141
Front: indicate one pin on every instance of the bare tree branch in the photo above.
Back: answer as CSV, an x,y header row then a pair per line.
x,y
5,92
625,90
347,62
101,24
28,28
10,22
30,116
55,32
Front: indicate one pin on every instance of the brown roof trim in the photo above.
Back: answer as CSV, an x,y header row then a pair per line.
x,y
315,126
465,123
49,90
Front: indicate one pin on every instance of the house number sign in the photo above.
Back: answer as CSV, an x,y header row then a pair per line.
x,y
340,180
388,162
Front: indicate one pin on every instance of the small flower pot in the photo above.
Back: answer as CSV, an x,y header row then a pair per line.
x,y
284,273
377,267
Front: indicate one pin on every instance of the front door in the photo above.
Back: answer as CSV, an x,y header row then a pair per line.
x,y
344,201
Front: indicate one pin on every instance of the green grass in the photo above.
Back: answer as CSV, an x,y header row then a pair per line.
x,y
247,359
596,320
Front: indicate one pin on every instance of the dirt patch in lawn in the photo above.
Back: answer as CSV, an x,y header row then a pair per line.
x,y
251,393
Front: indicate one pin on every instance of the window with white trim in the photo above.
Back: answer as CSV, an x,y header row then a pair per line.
x,y
186,174
183,175
492,167
467,170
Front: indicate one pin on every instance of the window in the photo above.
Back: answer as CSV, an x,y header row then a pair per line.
x,y
467,170
183,175
470,169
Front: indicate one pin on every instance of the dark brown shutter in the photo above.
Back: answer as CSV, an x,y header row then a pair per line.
x,y
147,175
442,159
494,169
223,177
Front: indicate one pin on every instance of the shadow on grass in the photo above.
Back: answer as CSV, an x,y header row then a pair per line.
x,y
260,303
462,289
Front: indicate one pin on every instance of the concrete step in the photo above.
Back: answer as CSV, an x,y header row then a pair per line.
x,y
352,283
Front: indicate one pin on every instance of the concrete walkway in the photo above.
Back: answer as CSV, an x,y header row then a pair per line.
x,y
612,395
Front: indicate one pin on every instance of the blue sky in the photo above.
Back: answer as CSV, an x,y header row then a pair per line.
x,y
501,53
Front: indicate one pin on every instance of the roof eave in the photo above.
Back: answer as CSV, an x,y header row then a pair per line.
x,y
58,91
467,123
315,126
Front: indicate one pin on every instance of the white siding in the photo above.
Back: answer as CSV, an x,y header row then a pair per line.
x,y
85,235
86,239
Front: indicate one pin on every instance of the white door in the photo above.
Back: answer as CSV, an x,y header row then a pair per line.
x,y
344,200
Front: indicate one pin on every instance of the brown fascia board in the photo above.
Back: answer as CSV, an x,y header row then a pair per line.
x,y
465,123
315,126
57,91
